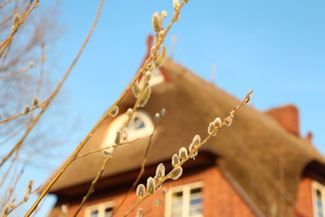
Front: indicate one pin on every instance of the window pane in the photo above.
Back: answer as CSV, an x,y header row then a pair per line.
x,y
108,212
177,204
319,203
196,202
94,213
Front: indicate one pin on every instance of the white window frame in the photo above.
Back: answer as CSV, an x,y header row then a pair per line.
x,y
317,186
118,123
100,207
186,189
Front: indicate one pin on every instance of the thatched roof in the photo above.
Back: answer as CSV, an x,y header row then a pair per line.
x,y
254,150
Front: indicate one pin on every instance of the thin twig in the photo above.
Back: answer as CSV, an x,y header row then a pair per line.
x,y
190,155
143,164
50,184
24,113
4,3
93,183
101,149
8,40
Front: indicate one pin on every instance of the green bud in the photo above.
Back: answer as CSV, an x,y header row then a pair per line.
x,y
141,191
145,97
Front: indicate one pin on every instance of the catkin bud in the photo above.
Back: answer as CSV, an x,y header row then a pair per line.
x,y
147,76
217,122
36,4
118,138
141,191
176,173
145,97
175,4
7,209
182,154
228,121
191,147
162,112
35,102
156,182
139,212
175,160
157,118
115,111
155,22
197,139
163,14
151,185
136,89
129,112
247,99
106,152
124,134
161,59
160,171
28,190
31,64
27,108
16,19
211,128
30,184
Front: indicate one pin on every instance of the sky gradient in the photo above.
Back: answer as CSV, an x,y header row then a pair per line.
x,y
276,48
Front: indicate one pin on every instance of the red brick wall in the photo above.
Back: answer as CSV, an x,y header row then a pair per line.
x,y
303,204
219,198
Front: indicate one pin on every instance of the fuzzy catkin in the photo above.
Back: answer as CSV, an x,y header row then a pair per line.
x,y
176,173
151,185
145,97
141,191
115,111
155,22
175,160
160,171
183,154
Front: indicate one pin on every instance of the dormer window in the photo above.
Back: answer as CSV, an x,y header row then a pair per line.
x,y
140,126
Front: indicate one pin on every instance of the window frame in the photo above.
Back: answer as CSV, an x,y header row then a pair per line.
x,y
100,207
314,187
186,197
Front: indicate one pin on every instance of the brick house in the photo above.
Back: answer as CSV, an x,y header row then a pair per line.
x,y
260,166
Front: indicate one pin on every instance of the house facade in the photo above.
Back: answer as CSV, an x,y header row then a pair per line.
x,y
259,167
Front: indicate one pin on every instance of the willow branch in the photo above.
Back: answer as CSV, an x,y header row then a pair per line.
x,y
92,187
4,4
190,155
107,114
24,113
143,164
50,184
8,40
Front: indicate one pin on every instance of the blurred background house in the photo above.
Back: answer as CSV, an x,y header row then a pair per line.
x,y
260,166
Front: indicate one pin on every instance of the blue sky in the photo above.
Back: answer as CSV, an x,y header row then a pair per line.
x,y
276,48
